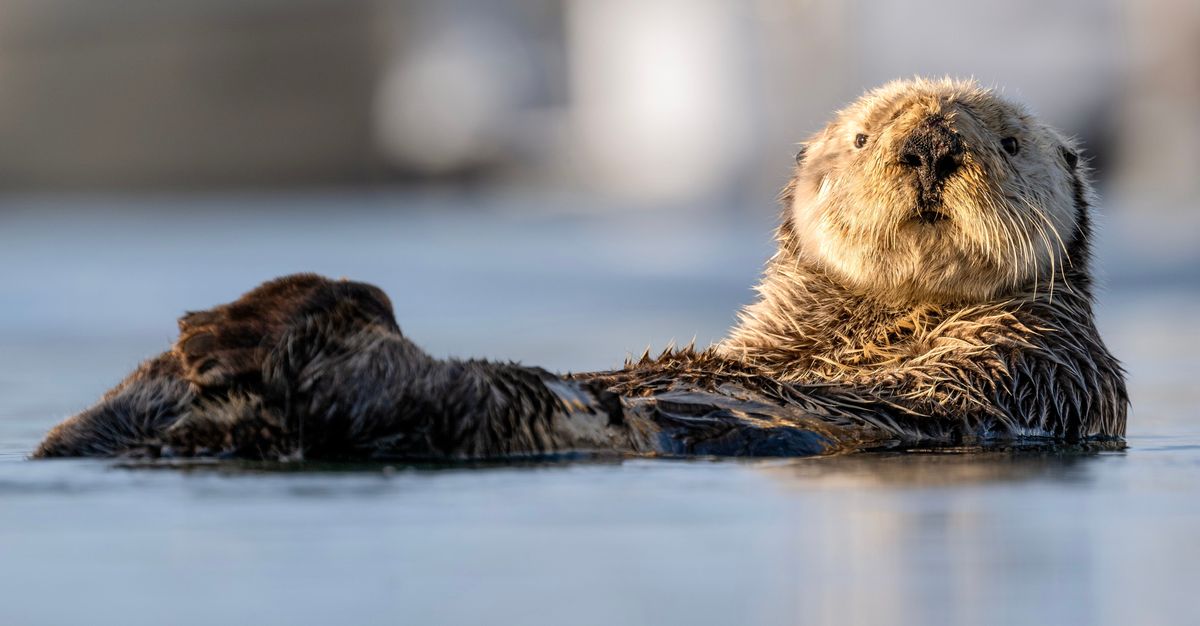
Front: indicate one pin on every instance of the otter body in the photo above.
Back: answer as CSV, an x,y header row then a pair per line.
x,y
932,287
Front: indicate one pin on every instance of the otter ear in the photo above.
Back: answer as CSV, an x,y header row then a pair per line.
x,y
800,154
1070,156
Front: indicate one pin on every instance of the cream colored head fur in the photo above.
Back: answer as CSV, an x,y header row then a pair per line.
x,y
1005,215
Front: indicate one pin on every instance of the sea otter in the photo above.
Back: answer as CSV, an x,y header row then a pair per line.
x,y
932,287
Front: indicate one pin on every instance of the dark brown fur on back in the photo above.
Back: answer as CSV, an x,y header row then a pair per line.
x,y
338,380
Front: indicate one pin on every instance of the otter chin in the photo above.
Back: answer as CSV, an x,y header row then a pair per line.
x,y
929,216
932,287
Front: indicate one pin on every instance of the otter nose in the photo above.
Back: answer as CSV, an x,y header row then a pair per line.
x,y
933,150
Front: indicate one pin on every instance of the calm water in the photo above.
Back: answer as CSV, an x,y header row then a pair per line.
x,y
89,289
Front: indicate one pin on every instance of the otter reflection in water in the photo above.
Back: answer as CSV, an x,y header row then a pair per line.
x,y
932,286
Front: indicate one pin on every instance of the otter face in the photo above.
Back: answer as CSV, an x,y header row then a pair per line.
x,y
936,191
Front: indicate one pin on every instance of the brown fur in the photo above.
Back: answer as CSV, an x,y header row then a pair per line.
x,y
905,307
987,312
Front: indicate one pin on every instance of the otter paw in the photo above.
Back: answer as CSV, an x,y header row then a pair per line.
x,y
227,345
216,351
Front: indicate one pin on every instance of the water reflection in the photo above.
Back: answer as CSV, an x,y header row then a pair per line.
x,y
934,469
923,469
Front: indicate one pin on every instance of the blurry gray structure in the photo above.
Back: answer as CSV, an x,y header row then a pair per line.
x,y
650,101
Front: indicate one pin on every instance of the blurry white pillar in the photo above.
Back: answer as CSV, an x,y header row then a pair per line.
x,y
658,96
1160,116
447,97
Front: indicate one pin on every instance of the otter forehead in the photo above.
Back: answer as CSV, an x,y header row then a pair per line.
x,y
921,97
972,111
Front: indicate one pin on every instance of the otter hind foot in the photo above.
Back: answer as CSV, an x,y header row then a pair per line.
x,y
215,350
226,346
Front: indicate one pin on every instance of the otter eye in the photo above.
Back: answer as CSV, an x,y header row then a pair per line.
x,y
1010,145
860,140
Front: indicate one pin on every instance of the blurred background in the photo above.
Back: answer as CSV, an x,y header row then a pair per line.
x,y
667,101
562,182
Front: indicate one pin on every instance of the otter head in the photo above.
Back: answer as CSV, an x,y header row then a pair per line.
x,y
936,191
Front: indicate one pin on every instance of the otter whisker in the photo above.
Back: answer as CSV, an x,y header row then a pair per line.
x,y
1031,226
1016,237
1040,212
1037,211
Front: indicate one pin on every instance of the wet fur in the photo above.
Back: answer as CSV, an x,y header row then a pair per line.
x,y
872,331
